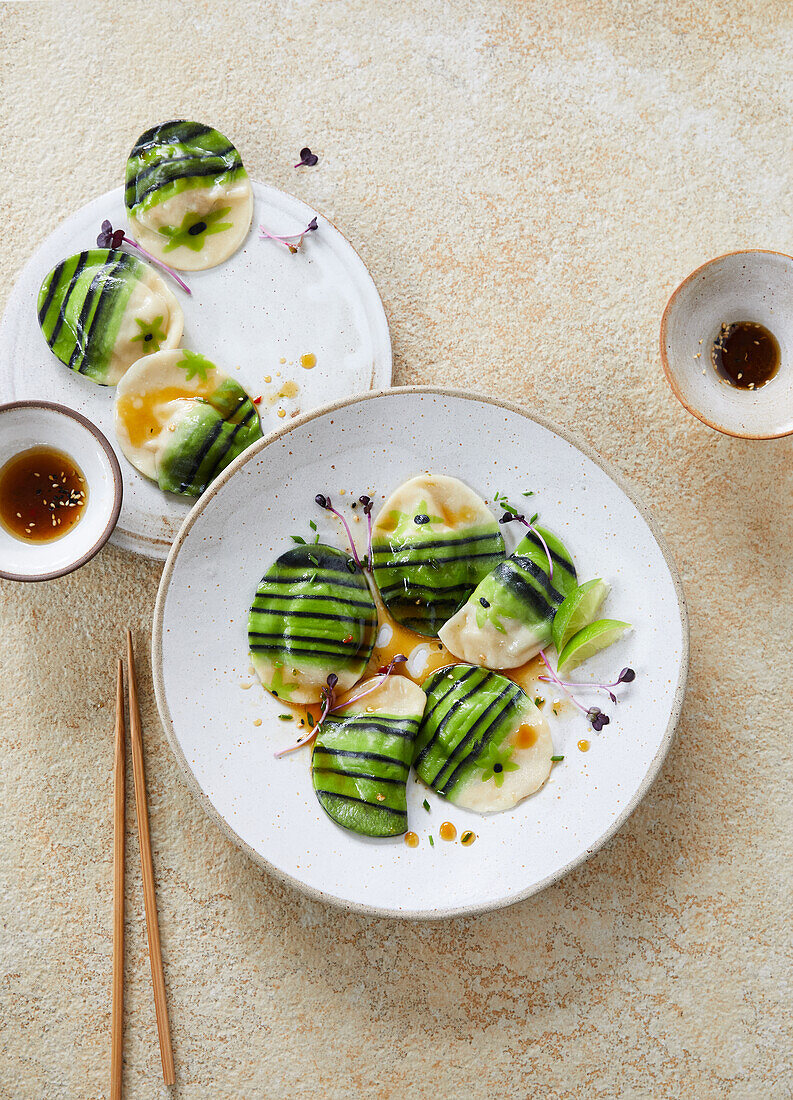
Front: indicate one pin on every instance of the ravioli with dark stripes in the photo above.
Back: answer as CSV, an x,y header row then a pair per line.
x,y
102,309
508,618
189,198
361,759
432,543
313,615
180,421
482,744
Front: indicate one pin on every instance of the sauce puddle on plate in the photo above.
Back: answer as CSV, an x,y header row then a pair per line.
x,y
43,495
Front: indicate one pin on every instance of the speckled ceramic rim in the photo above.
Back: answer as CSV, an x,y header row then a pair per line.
x,y
665,362
118,491
192,782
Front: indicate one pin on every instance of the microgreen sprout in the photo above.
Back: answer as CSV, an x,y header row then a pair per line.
x,y
307,158
292,241
368,504
114,238
326,503
511,514
594,715
330,705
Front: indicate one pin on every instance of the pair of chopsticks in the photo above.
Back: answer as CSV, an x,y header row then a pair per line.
x,y
147,870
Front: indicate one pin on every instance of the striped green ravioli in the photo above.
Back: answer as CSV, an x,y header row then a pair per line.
x,y
509,616
433,541
180,421
482,742
313,615
187,193
362,756
102,309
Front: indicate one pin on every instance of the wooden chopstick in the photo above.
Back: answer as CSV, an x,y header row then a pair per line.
x,y
117,1014
147,870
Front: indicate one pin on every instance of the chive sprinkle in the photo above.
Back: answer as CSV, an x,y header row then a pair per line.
x,y
426,805
466,836
432,842
286,717
556,759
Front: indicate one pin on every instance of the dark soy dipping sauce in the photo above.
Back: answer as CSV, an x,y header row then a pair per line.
x,y
745,354
43,494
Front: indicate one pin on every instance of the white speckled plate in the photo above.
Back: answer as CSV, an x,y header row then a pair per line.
x,y
268,806
260,307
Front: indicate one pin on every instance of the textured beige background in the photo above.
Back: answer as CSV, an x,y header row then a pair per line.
x,y
527,182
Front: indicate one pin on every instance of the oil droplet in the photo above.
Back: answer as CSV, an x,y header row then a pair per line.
x,y
282,359
467,838
412,840
447,831
583,745
308,361
282,412
268,378
257,721
525,737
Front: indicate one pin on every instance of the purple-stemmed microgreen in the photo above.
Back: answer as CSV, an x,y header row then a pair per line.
x,y
368,504
331,706
511,514
325,502
627,676
288,238
594,715
114,238
328,698
307,158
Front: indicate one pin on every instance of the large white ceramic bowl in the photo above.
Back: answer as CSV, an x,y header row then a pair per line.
x,y
752,286
201,664
27,424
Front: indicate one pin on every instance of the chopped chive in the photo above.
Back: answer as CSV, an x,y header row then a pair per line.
x,y
312,525
286,717
426,805
556,759
311,558
530,494
432,842
538,701
310,717
535,517
466,836
299,539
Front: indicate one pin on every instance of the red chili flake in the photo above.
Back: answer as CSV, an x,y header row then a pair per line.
x,y
256,400
347,639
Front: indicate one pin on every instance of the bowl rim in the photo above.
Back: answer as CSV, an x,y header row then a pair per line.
x,y
670,377
118,489
202,798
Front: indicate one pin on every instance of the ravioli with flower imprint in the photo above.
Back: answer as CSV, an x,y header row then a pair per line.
x,y
180,421
313,616
362,756
102,310
189,198
432,543
509,616
483,744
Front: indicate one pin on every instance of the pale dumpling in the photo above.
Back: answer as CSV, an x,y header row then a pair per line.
x,y
188,196
508,618
433,541
482,744
101,310
180,421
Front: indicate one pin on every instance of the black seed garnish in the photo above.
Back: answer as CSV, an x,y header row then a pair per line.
x,y
420,519
483,601
199,227
498,767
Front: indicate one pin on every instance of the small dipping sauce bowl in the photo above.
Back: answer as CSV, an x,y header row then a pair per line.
x,y
754,286
32,424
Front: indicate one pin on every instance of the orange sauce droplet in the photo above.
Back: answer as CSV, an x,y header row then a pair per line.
x,y
447,831
405,641
583,745
467,838
412,840
308,361
282,412
526,677
525,737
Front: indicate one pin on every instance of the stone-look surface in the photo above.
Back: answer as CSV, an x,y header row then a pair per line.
x,y
527,183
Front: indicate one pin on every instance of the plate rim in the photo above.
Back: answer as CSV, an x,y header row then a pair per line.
x,y
361,907
156,547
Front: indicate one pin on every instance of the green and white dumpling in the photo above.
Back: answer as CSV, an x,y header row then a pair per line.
x,y
509,616
313,616
180,421
433,541
483,744
188,196
362,754
101,310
